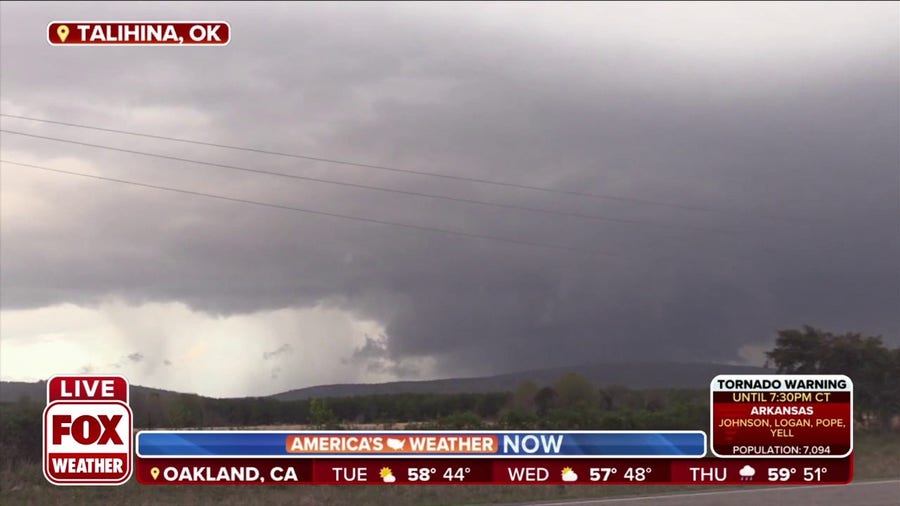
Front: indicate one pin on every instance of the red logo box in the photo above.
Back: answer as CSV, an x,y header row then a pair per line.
x,y
88,430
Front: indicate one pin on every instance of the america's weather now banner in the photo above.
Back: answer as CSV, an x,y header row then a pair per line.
x,y
400,444
458,457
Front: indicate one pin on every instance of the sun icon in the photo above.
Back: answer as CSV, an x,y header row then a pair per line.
x,y
387,475
566,470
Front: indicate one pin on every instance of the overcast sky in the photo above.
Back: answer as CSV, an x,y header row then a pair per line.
x,y
744,161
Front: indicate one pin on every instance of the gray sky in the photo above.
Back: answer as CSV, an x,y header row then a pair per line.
x,y
761,140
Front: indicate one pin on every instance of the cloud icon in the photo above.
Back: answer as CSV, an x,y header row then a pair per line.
x,y
390,478
568,474
395,444
747,472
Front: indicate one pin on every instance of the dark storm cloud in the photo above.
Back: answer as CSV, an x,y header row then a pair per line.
x,y
133,358
375,356
281,350
373,348
794,148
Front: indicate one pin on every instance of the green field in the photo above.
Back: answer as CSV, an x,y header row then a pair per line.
x,y
876,457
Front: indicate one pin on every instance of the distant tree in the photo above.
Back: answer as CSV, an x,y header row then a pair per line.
x,y
604,399
655,400
872,366
574,390
545,400
619,397
185,411
523,400
517,420
156,416
462,421
892,386
564,418
138,403
798,351
321,415
21,431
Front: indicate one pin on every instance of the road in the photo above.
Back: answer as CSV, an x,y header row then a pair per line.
x,y
866,493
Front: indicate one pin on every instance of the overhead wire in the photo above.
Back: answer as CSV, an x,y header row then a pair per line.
x,y
722,232
484,203
445,231
423,173
440,230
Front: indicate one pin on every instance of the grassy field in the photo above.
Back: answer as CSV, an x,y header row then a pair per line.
x,y
876,457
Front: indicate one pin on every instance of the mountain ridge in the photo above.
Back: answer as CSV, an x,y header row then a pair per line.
x,y
637,375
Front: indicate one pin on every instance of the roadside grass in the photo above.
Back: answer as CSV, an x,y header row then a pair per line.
x,y
876,456
25,485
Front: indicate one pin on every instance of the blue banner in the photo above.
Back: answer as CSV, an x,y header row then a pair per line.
x,y
494,444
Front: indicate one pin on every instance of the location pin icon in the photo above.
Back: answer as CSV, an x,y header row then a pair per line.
x,y
154,472
63,32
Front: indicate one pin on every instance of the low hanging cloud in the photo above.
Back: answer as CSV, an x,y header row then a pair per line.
x,y
281,350
376,358
38,343
774,125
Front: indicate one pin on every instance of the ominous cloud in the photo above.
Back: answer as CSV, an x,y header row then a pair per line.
x,y
780,121
375,356
281,350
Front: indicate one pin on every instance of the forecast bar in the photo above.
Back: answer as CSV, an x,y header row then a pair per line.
x,y
480,471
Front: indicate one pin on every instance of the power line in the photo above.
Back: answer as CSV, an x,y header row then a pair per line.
x,y
439,230
445,231
507,184
371,187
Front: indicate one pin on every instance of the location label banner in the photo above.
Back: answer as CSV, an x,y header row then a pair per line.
x,y
177,33
412,444
757,416
497,471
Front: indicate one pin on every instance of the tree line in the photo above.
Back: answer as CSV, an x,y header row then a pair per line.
x,y
572,394
873,367
570,403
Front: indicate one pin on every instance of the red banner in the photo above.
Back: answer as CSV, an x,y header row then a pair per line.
x,y
195,33
463,471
